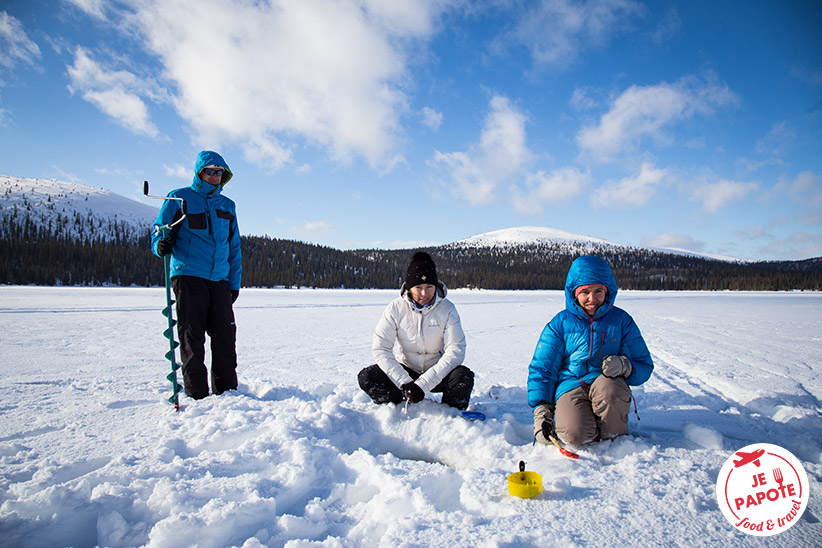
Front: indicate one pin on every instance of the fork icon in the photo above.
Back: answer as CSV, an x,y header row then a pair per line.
x,y
777,475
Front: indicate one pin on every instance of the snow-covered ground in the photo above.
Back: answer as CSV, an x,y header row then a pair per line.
x,y
91,454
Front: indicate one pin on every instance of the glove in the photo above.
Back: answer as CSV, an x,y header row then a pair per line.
x,y
544,423
164,246
413,393
234,294
616,366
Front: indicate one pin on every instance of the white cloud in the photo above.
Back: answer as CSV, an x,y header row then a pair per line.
x,y
796,245
113,92
15,45
714,196
94,8
15,48
580,100
810,77
500,153
647,112
179,171
807,188
557,186
431,118
312,230
777,140
262,74
266,151
316,226
668,27
674,241
557,31
634,191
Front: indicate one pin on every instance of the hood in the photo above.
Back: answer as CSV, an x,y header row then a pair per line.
x,y
208,158
589,270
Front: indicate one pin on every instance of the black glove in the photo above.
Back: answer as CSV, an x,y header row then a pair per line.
x,y
413,393
544,423
164,246
234,294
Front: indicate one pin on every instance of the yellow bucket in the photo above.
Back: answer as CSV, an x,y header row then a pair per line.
x,y
524,485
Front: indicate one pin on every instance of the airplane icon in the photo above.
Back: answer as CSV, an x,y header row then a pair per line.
x,y
746,458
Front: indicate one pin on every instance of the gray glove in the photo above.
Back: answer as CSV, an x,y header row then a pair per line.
x,y
616,366
544,423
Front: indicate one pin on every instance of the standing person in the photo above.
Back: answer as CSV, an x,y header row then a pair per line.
x,y
430,344
585,360
206,270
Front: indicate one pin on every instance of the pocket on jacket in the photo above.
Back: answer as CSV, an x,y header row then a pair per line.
x,y
197,221
224,215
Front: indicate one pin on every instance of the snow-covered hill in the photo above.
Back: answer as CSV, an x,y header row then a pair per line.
x,y
526,235
536,235
73,210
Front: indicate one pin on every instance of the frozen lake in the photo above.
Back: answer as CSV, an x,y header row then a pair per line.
x,y
92,454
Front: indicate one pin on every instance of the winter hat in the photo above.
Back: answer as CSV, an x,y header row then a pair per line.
x,y
591,286
421,271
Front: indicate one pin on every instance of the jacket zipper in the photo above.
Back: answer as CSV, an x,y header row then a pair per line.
x,y
591,351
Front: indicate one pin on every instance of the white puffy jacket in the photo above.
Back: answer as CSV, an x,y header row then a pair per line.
x,y
431,340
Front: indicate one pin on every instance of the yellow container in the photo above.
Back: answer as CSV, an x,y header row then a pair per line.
x,y
525,485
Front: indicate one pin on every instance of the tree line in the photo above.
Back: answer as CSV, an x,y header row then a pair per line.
x,y
113,255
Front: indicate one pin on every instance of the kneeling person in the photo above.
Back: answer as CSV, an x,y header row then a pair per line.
x,y
430,344
586,359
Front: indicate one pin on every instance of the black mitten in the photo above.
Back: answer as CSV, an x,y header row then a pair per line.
x,y
413,393
165,246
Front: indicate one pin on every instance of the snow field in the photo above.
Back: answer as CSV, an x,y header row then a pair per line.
x,y
91,454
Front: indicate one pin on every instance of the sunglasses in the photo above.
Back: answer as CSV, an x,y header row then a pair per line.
x,y
212,172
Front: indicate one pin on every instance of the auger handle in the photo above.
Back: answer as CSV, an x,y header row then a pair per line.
x,y
182,206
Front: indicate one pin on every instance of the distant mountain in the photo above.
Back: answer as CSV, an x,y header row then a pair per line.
x,y
70,210
535,235
530,235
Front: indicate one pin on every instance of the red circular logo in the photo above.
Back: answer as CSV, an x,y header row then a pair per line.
x,y
762,489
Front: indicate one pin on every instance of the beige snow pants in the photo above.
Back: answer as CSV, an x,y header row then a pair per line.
x,y
598,411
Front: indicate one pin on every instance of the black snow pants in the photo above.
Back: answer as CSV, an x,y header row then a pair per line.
x,y
455,387
204,307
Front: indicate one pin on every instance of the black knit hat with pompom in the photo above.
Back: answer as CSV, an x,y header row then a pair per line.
x,y
421,271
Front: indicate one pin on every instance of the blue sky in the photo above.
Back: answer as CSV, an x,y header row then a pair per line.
x,y
377,123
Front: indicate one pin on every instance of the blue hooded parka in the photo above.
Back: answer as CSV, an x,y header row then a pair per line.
x,y
207,242
572,345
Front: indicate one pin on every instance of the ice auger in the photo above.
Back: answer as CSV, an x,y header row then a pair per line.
x,y
165,230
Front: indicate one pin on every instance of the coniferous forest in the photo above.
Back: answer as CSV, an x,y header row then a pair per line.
x,y
32,254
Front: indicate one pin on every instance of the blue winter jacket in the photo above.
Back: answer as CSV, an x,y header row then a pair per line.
x,y
207,242
572,346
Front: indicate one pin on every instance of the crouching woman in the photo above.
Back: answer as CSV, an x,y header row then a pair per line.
x,y
430,344
585,360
